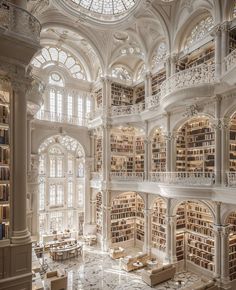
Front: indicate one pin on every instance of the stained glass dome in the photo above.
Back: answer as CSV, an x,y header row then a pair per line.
x,y
107,7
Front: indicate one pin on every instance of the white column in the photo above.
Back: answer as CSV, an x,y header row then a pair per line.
x,y
106,153
217,34
217,128
224,42
217,246
225,257
106,220
168,144
224,149
20,233
173,151
87,209
147,227
173,257
173,62
168,66
148,85
168,232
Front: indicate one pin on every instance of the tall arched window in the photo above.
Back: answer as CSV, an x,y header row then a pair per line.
x,y
199,31
60,191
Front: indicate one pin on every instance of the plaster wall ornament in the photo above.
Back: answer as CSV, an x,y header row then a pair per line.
x,y
168,136
223,123
192,110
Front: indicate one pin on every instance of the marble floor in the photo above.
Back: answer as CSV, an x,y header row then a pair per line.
x,y
95,270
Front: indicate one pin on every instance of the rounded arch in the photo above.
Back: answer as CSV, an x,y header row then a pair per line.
x,y
185,29
176,203
181,122
69,143
230,111
158,198
226,214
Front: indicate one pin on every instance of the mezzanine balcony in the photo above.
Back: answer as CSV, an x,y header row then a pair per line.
x,y
61,118
171,178
19,32
127,110
192,83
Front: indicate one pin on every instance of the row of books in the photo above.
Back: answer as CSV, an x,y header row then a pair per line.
x,y
4,212
4,192
4,115
4,173
4,137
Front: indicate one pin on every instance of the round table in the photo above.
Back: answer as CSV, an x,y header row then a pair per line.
x,y
152,263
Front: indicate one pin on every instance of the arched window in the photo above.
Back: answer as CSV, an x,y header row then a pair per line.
x,y
159,55
121,73
54,56
200,30
61,158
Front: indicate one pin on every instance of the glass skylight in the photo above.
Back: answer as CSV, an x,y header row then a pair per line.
x,y
108,7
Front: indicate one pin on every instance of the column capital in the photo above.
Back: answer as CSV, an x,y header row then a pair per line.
x,y
225,26
225,231
168,136
216,31
221,123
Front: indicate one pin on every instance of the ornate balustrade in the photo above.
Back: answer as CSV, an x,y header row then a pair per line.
x,y
198,75
127,176
231,179
153,101
127,110
183,178
19,21
61,118
230,60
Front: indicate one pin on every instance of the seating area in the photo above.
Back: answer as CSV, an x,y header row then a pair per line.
x,y
117,253
158,275
57,280
130,263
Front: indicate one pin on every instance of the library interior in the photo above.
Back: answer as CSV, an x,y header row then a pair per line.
x,y
117,144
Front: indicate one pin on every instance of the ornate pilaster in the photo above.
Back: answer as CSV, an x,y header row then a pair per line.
x,y
106,153
171,147
106,222
147,158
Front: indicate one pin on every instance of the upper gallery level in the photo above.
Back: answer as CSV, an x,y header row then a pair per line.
x,y
137,84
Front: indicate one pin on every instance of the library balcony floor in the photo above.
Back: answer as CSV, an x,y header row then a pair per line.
x,y
95,270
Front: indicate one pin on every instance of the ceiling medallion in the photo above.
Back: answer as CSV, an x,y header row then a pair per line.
x,y
120,36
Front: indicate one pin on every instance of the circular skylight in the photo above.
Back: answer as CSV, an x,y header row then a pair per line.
x,y
107,7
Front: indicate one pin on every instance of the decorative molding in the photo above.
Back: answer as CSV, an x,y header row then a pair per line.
x,y
192,110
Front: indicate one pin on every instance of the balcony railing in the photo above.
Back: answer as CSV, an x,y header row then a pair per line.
x,y
153,101
198,75
127,110
19,21
183,178
230,60
127,176
231,179
61,118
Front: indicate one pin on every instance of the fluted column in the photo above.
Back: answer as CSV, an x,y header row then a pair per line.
x,y
20,233
225,256
217,246
148,85
217,127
